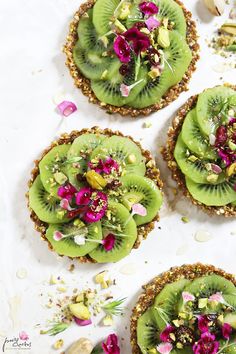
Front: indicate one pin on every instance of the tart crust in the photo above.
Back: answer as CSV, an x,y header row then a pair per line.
x,y
178,176
152,289
152,172
83,83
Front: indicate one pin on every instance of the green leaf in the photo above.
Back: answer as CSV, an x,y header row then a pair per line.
x,y
57,328
113,308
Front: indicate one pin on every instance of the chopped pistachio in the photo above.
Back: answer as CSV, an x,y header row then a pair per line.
x,y
192,158
229,28
124,11
95,180
147,124
213,178
60,178
179,345
163,37
202,303
53,280
104,75
105,42
131,158
58,344
62,289
107,321
232,145
120,26
80,311
154,73
80,298
185,219
145,31
231,169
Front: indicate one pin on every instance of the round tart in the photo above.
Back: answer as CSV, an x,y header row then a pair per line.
x,y
132,57
94,195
201,150
189,309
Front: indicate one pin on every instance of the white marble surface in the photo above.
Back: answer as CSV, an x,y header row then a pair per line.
x,y
32,72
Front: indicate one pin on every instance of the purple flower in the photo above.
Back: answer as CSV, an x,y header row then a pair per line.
x,y
226,331
165,335
221,136
67,191
109,242
225,157
106,166
82,323
95,204
148,8
122,49
206,345
111,345
140,42
152,23
23,335
203,324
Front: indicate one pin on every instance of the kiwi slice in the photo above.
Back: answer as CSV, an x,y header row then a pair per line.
x,y
194,139
211,106
109,91
230,346
124,151
191,165
88,37
167,9
103,11
91,63
206,286
80,151
46,207
138,189
67,246
177,59
166,303
148,333
122,225
53,167
213,194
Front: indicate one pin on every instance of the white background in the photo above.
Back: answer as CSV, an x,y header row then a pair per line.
x,y
32,72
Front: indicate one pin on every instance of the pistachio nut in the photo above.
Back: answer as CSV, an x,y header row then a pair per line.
x,y
81,346
124,10
80,311
95,180
229,28
163,37
231,169
216,7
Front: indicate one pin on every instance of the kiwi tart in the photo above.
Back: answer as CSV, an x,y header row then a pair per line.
x,y
188,309
94,195
132,57
201,150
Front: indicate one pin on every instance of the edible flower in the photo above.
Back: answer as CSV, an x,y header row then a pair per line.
x,y
140,42
187,296
122,49
203,324
164,348
57,236
66,108
152,23
107,166
206,345
82,323
226,330
111,345
67,191
23,335
64,204
95,202
139,209
109,242
217,297
165,334
221,136
148,8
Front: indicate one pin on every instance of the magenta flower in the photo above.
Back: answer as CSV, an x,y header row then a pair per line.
x,y
57,236
148,8
66,108
111,345
106,166
152,23
109,242
165,335
140,42
206,345
122,49
82,323
67,191
95,204
225,156
221,136
226,331
23,335
203,324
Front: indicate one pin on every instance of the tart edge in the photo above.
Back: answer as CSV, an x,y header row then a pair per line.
x,y
152,172
152,289
84,84
177,175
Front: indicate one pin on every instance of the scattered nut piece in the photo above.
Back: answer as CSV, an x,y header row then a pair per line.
x,y
202,236
82,346
216,7
58,344
21,273
107,321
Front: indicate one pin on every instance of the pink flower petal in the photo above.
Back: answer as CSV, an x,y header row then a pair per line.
x,y
122,49
165,334
57,236
66,108
111,345
216,169
187,296
139,209
64,204
82,323
125,90
23,335
217,297
164,348
226,330
109,242
148,8
152,23
67,191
